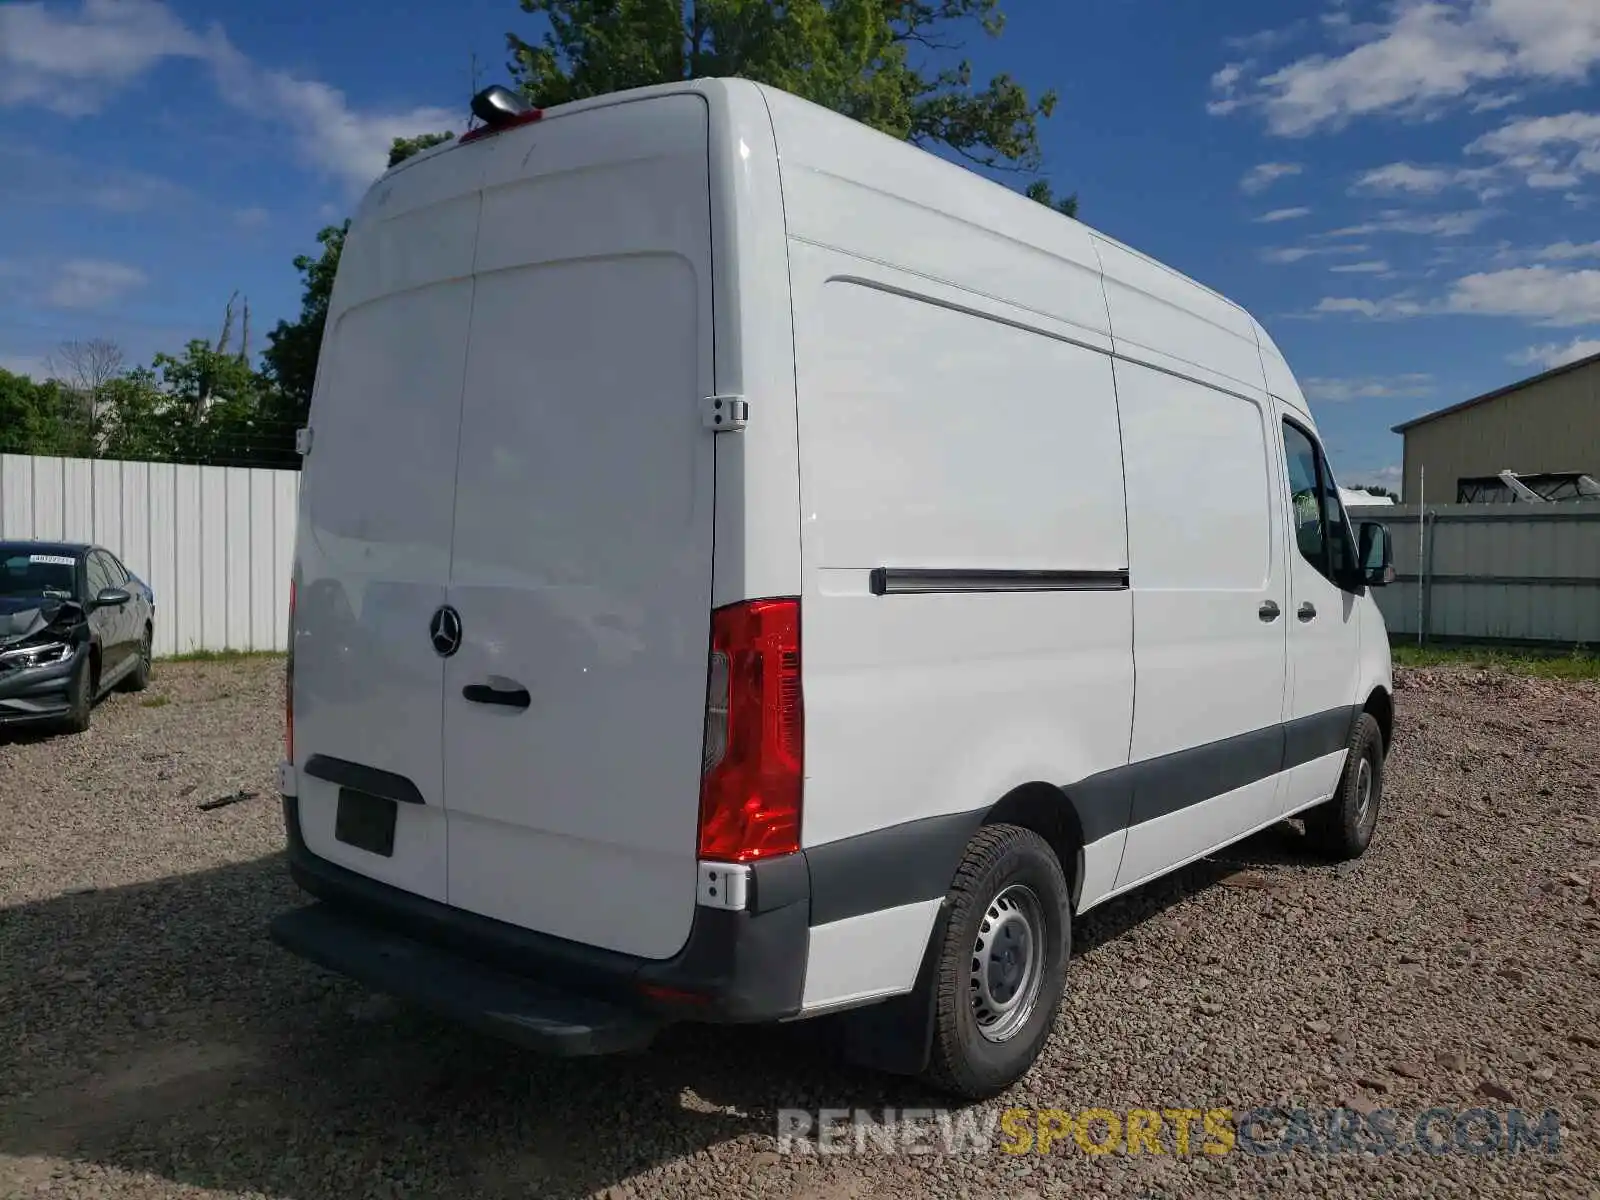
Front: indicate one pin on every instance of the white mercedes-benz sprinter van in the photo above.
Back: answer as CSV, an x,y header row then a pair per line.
x,y
750,568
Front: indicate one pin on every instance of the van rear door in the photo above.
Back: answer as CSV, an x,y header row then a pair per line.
x,y
581,561
373,545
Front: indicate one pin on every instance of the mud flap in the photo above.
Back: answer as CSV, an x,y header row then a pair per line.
x,y
896,1035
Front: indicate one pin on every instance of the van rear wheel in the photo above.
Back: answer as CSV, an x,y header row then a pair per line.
x,y
1002,963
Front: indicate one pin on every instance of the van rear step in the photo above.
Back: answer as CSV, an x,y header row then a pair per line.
x,y
502,1005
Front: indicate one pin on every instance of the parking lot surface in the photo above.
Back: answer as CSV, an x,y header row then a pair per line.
x,y
154,1043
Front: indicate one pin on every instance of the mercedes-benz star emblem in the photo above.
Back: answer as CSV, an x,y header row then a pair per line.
x,y
445,631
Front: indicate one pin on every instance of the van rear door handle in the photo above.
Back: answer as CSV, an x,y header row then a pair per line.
x,y
510,697
1268,610
1307,611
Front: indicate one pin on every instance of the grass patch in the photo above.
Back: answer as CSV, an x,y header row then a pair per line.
x,y
219,656
1575,663
155,702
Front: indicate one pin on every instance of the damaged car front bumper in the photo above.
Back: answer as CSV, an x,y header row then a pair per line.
x,y
41,692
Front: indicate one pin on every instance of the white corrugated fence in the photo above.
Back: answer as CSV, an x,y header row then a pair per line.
x,y
215,543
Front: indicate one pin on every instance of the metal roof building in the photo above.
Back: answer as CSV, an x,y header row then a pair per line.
x,y
1545,424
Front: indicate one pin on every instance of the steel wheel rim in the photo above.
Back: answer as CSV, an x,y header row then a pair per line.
x,y
1363,790
1007,964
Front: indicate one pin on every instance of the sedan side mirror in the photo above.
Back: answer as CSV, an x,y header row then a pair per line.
x,y
1377,553
112,597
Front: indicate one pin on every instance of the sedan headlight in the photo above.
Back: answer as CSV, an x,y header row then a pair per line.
x,y
35,656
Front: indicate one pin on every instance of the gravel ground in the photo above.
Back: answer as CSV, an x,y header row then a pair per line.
x,y
154,1043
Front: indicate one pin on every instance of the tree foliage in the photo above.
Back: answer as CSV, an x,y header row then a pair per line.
x,y
403,148
290,359
868,59
42,417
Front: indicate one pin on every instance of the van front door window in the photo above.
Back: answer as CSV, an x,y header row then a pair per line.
x,y
1307,497
1320,527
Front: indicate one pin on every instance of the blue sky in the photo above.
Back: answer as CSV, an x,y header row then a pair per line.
x,y
1405,192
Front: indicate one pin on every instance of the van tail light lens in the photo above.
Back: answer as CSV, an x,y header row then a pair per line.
x,y
288,686
753,768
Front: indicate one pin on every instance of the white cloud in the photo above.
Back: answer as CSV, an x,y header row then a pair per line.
x,y
1549,152
1450,224
1266,39
251,218
1404,177
1494,103
1554,354
1283,214
1294,254
1561,251
1263,175
1427,55
1224,87
1372,267
1546,295
1551,296
327,132
90,283
72,63
1386,387
1393,308
1407,178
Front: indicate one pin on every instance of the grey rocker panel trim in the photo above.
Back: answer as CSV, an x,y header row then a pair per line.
x,y
915,861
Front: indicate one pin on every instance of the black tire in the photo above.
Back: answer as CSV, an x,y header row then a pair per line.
x,y
1342,827
138,679
80,698
1004,864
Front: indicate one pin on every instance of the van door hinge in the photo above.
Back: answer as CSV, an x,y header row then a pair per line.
x,y
302,441
723,414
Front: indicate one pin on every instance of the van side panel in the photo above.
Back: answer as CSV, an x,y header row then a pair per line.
x,y
857,190
1163,319
939,439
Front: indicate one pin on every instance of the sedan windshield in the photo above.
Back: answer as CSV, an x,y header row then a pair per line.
x,y
30,574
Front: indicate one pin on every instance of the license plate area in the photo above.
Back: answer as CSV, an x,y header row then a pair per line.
x,y
365,822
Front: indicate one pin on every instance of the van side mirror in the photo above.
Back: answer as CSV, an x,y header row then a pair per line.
x,y
1377,553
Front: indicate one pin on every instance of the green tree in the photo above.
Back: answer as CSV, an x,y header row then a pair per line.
x,y
290,359
138,421
205,405
403,148
1041,191
855,56
42,418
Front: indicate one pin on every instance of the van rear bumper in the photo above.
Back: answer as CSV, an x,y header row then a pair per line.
x,y
504,1005
564,997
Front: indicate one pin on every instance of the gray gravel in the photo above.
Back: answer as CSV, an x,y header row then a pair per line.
x,y
154,1043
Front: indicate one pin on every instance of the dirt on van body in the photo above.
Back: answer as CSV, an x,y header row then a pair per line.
x,y
153,1042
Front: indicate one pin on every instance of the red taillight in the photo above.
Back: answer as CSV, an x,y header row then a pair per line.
x,y
505,123
288,686
750,792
